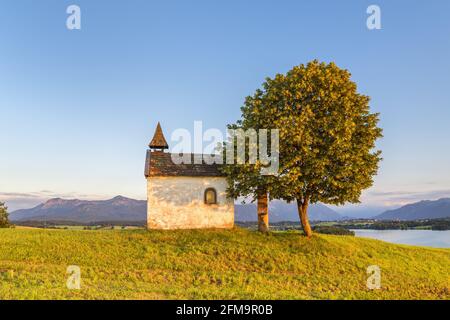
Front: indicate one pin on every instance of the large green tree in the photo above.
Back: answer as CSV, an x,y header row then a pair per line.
x,y
4,217
327,135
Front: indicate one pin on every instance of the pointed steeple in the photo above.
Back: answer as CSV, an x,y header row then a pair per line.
x,y
158,141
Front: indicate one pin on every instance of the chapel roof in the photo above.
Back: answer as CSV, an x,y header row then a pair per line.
x,y
159,163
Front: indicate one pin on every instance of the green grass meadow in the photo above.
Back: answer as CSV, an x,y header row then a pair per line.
x,y
214,264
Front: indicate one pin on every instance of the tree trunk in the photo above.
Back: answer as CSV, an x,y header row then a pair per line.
x,y
302,207
263,212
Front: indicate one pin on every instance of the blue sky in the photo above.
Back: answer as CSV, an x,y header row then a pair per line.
x,y
78,107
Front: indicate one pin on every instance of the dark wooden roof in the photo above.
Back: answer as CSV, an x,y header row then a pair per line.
x,y
158,141
159,163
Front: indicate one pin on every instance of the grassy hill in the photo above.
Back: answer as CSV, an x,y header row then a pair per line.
x,y
231,264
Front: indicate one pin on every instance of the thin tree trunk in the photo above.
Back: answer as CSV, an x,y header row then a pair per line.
x,y
263,212
302,207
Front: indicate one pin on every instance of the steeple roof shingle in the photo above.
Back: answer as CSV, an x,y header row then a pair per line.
x,y
158,141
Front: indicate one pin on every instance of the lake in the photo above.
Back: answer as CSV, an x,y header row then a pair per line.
x,y
428,238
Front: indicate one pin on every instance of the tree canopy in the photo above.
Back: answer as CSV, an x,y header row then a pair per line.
x,y
4,217
327,137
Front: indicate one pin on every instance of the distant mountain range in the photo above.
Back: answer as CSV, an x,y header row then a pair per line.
x,y
420,210
83,211
121,209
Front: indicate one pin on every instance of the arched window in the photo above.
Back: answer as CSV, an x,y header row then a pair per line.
x,y
210,196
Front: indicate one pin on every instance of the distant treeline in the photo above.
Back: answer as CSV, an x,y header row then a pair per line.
x,y
282,226
290,225
55,223
431,224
